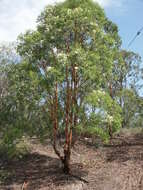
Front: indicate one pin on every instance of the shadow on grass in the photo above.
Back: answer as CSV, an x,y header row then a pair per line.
x,y
132,149
41,171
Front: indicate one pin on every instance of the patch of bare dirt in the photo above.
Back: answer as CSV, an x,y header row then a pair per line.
x,y
118,166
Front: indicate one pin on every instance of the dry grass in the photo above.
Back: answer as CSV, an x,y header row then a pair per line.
x,y
118,166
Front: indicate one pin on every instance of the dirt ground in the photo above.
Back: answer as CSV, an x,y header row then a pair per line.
x,y
117,166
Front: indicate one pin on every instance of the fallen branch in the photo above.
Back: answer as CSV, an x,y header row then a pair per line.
x,y
79,178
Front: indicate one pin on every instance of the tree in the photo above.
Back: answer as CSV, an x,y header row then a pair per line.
x,y
23,111
21,101
126,84
8,56
108,110
73,49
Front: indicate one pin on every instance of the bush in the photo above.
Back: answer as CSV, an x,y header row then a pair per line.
x,y
14,150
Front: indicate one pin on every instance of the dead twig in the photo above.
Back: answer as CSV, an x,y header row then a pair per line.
x,y
24,186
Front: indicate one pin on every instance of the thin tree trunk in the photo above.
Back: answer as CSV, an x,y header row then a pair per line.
x,y
55,121
68,128
75,106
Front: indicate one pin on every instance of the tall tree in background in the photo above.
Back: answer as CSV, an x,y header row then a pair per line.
x,y
8,56
127,83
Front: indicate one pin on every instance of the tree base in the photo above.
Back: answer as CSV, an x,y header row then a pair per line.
x,y
66,170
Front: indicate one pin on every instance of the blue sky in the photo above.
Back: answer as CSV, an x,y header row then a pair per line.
x,y
17,16
128,16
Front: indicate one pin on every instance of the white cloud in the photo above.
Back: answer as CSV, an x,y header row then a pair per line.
x,y
111,3
17,16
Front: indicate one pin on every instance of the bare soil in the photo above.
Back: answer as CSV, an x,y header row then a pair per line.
x,y
117,166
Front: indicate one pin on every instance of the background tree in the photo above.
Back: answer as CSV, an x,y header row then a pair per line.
x,y
107,110
22,110
127,83
8,56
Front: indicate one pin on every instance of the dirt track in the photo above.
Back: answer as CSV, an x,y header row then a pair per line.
x,y
118,166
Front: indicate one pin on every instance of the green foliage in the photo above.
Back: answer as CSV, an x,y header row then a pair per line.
x,y
107,109
12,147
22,108
73,34
4,175
127,83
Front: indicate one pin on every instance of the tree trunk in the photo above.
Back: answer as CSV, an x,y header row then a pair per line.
x,y
66,159
110,132
66,165
74,138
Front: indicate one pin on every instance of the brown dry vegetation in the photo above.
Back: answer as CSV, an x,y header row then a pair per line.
x,y
117,166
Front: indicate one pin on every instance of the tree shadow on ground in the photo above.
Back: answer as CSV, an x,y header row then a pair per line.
x,y
131,150
41,171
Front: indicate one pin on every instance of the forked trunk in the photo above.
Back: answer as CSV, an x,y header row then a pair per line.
x,y
65,159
